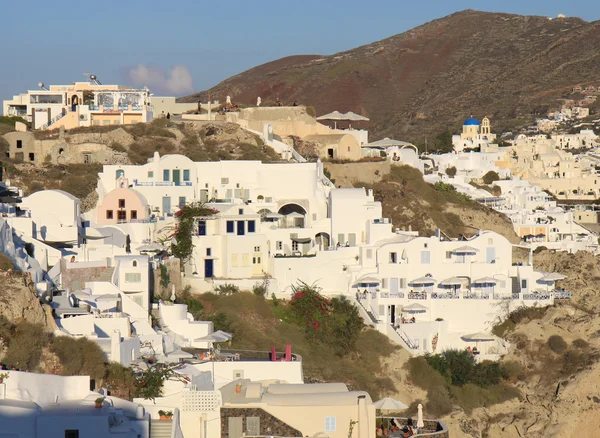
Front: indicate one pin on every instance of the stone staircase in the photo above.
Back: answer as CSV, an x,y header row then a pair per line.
x,y
160,429
106,274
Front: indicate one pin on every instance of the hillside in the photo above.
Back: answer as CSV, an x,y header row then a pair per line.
x,y
411,202
432,77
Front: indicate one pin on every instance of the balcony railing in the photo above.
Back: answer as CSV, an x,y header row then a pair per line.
x,y
417,295
512,296
537,297
562,295
476,296
444,296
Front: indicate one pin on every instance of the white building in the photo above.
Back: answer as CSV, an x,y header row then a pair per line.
x,y
49,406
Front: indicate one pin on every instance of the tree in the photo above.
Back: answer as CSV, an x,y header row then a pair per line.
x,y
490,177
184,230
443,142
451,171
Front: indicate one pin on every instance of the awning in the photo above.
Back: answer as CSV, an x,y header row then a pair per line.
x,y
294,215
465,250
301,239
422,280
454,281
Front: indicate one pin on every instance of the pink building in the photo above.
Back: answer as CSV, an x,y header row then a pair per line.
x,y
123,205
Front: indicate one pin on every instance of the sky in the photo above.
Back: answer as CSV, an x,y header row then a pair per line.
x,y
179,47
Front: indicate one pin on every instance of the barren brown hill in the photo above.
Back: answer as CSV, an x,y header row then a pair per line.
x,y
432,77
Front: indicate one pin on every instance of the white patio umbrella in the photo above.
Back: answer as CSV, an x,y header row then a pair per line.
x,y
389,404
422,281
151,247
273,216
420,422
479,337
553,276
294,215
465,250
485,280
453,281
218,336
415,308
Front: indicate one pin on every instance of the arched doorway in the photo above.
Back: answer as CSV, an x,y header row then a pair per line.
x,y
294,215
323,240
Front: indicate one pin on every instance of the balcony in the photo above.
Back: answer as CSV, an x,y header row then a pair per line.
x,y
417,295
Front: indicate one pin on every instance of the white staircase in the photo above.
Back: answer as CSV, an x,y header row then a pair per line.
x,y
160,429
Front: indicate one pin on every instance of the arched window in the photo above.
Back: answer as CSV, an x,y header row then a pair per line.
x,y
134,263
120,173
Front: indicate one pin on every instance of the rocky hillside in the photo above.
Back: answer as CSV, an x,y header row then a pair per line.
x,y
411,202
19,303
432,77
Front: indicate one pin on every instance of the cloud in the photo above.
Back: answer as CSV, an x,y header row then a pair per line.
x,y
176,80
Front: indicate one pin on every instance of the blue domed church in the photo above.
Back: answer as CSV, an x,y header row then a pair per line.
x,y
474,135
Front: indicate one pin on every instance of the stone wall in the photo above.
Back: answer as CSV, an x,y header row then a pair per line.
x,y
75,278
269,425
345,175
174,270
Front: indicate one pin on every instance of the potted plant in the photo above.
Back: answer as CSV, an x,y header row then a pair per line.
x,y
98,402
3,376
165,415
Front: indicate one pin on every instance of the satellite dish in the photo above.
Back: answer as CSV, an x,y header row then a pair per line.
x,y
93,77
41,85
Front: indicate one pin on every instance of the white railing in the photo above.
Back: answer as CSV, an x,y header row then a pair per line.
x,y
537,296
54,119
444,296
417,295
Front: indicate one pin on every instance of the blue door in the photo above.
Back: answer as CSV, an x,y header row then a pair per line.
x,y
241,228
490,255
166,204
208,268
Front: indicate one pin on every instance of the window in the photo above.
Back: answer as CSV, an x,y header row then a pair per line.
x,y
241,211
369,253
31,156
134,263
109,214
208,252
133,214
120,173
341,239
294,245
425,257
448,254
251,226
201,228
19,144
87,157
234,260
224,180
393,257
257,249
186,175
384,283
106,122
72,433
402,283
329,424
490,241
424,245
121,203
181,202
150,174
230,226
524,284
237,185
133,277
166,175
314,216
122,215
279,245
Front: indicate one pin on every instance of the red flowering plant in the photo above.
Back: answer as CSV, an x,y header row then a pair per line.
x,y
335,322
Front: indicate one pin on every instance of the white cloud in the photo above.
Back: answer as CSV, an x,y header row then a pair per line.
x,y
176,80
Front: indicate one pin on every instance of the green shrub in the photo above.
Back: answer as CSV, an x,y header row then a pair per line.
x,y
227,289
490,177
79,357
120,380
557,344
451,171
423,375
260,289
310,110
25,346
522,314
580,344
117,147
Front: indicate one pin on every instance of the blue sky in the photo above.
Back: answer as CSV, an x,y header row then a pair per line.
x,y
176,47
